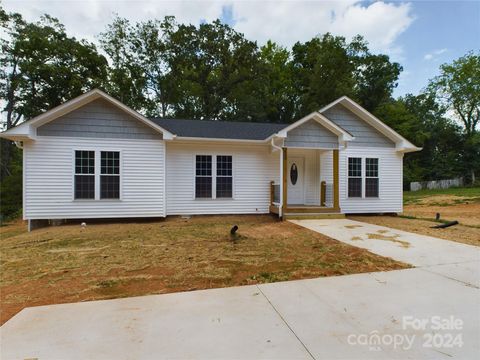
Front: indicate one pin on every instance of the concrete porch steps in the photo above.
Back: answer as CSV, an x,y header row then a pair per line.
x,y
300,216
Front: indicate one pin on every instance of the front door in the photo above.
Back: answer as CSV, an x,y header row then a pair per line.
x,y
295,179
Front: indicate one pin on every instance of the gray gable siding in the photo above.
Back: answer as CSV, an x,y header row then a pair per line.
x,y
98,119
365,135
309,135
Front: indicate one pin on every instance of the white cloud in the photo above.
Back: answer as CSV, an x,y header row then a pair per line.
x,y
282,21
434,54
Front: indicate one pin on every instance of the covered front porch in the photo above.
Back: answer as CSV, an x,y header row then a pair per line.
x,y
308,183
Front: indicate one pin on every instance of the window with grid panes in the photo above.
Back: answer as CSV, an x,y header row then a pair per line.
x,y
84,174
371,177
354,177
224,176
203,176
110,175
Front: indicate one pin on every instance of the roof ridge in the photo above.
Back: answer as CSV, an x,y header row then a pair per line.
x,y
220,121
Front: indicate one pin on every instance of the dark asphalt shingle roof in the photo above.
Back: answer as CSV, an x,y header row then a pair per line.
x,y
219,129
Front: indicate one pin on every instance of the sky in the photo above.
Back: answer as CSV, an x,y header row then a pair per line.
x,y
420,35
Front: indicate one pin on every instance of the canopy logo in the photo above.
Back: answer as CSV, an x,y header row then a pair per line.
x,y
439,332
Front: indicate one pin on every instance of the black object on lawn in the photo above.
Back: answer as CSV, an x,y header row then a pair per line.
x,y
233,230
447,224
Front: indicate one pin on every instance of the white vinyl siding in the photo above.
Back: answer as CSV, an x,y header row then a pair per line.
x,y
311,135
49,180
389,199
254,166
365,134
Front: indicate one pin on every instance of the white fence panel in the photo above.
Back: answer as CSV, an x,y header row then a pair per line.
x,y
436,184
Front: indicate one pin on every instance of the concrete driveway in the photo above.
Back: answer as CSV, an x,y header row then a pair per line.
x,y
452,259
429,312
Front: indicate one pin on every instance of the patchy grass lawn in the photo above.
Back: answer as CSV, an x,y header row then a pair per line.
x,y
102,261
463,194
461,204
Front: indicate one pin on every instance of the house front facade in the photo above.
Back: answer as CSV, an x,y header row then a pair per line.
x,y
93,157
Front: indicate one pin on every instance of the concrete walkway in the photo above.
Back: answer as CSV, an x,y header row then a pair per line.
x,y
385,315
448,258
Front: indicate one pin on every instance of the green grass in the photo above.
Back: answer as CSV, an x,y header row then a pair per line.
x,y
411,197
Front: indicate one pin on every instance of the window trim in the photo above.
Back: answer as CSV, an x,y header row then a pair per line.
x,y
212,169
214,175
372,177
97,151
364,177
223,176
100,175
355,177
74,163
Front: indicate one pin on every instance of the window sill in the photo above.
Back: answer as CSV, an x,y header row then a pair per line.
x,y
363,198
95,200
211,199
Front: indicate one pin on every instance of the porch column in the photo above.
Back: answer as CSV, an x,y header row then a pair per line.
x,y
284,180
336,177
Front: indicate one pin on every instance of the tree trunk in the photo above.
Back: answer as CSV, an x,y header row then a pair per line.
x,y
472,174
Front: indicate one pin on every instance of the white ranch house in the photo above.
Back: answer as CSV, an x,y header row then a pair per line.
x,y
94,157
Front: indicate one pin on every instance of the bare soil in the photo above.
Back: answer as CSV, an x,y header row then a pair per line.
x,y
459,233
103,261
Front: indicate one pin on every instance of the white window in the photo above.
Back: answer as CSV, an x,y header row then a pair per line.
x,y
371,177
363,177
84,178
354,177
110,175
224,176
213,176
89,172
203,176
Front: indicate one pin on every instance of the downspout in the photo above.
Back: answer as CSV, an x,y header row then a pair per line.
x,y
281,176
19,144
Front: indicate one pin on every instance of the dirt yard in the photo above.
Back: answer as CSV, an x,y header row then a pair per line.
x,y
70,263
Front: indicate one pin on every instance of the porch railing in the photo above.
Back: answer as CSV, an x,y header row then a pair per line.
x,y
274,193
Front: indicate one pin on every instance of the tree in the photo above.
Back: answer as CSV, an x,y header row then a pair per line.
x,y
40,68
375,78
422,120
329,67
126,79
276,85
323,71
458,88
216,70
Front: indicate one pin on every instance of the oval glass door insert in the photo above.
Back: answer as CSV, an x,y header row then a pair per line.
x,y
294,174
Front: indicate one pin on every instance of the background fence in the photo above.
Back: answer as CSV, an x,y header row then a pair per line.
x,y
436,184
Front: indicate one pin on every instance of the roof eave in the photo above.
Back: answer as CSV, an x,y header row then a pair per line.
x,y
373,121
78,102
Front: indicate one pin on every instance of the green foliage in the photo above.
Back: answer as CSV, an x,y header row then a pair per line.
x,y
276,86
423,121
329,67
41,67
458,89
411,197
11,189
